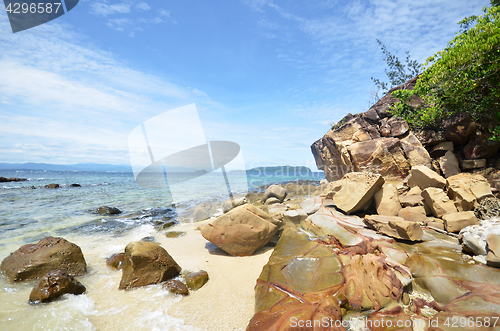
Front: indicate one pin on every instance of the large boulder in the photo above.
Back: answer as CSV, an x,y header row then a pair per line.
x,y
423,177
357,188
454,222
35,260
459,127
413,214
383,156
146,263
449,164
480,147
438,202
466,190
395,227
493,257
53,285
415,153
241,231
441,149
387,200
275,191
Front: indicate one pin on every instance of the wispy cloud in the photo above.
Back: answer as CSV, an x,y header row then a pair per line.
x,y
103,9
143,6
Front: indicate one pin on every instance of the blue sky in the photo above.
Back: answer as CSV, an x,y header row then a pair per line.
x,y
269,75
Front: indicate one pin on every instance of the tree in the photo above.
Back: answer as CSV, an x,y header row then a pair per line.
x,y
399,72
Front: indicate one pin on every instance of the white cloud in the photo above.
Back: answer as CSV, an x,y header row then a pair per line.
x,y
103,9
163,12
143,6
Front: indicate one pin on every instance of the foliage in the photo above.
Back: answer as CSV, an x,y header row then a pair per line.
x,y
399,72
465,76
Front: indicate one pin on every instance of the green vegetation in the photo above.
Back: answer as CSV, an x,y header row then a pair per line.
x,y
465,77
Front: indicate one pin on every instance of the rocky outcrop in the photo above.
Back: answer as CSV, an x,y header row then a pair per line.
x,y
356,189
195,280
12,179
49,254
241,231
53,285
146,263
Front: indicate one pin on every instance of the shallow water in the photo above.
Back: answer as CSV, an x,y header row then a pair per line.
x,y
27,215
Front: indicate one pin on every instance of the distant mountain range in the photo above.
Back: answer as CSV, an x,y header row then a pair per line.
x,y
285,170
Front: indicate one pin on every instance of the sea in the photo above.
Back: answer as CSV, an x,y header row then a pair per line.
x,y
30,212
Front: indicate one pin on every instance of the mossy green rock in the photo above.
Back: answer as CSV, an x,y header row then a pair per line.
x,y
196,280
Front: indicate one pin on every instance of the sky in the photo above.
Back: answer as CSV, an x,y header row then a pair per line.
x,y
271,76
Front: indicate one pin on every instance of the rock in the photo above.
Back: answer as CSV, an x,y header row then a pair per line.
x,y
233,203
415,153
383,156
53,185
115,261
387,200
323,181
49,254
176,287
105,210
276,210
275,191
480,147
357,189
395,227
75,185
454,222
294,216
201,212
441,149
489,207
175,234
449,164
12,179
434,222
331,189
472,164
413,214
424,177
53,285
471,244
463,187
241,231
430,138
493,257
196,280
312,205
361,135
411,200
398,127
459,127
438,202
415,190
146,263
271,201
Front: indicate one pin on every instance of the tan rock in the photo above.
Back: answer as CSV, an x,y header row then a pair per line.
x,y
412,200
424,177
146,263
413,214
195,280
242,231
472,164
357,188
416,154
441,149
387,200
449,164
53,285
466,190
454,222
414,191
394,226
361,135
294,216
233,203
438,202
383,156
276,210
331,189
493,257
434,222
275,191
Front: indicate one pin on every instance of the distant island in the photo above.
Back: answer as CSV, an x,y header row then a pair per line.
x,y
66,167
281,170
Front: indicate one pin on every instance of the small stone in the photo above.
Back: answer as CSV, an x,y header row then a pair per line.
x,y
176,287
472,164
105,210
271,201
75,185
406,299
115,261
53,285
275,191
196,280
53,185
175,234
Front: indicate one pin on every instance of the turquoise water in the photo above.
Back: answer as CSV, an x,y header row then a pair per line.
x,y
27,215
